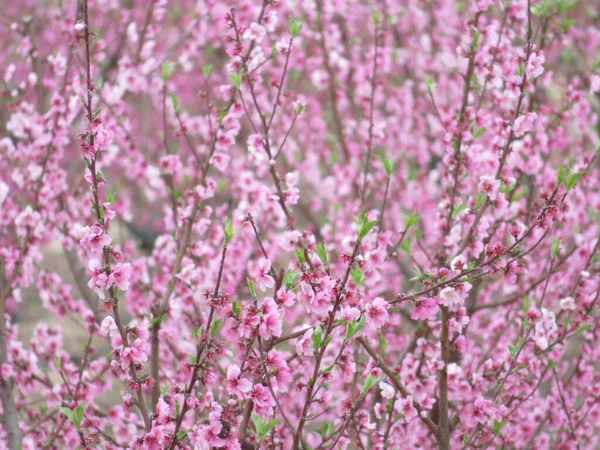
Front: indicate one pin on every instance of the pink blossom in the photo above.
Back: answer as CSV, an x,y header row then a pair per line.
x,y
425,309
489,186
237,386
95,239
376,313
119,276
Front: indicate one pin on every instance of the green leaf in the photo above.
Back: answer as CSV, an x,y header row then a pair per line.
x,y
321,252
572,179
583,328
429,83
251,287
357,275
299,109
354,327
411,220
388,164
497,426
514,349
366,226
556,243
75,415
263,427
406,244
228,230
317,337
289,279
300,255
174,101
458,209
57,361
376,15
551,363
181,434
207,70
563,172
166,71
478,131
214,327
526,304
295,27
236,308
236,78
369,383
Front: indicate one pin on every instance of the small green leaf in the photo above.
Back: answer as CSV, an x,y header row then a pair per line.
x,y
57,361
166,71
289,279
214,327
76,415
236,308
295,27
478,132
251,287
321,252
572,179
526,304
354,327
388,164
556,244
369,383
376,15
429,83
563,172
174,101
299,109
207,70
317,337
228,230
357,275
497,426
236,78
514,349
300,256
583,328
366,226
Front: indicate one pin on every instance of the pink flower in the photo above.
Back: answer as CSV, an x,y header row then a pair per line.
x,y
99,279
376,313
535,64
133,354
255,32
405,407
120,276
458,264
162,412
489,186
261,275
449,296
95,239
426,309
567,303
237,386
108,326
524,124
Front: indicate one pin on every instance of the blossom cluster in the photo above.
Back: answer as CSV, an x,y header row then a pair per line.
x,y
300,225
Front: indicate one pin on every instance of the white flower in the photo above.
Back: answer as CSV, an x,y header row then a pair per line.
x,y
387,391
567,303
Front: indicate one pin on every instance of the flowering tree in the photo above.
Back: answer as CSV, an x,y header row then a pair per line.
x,y
301,225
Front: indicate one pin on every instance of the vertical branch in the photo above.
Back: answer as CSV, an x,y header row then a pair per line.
x,y
7,395
141,402
444,429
